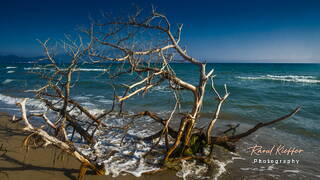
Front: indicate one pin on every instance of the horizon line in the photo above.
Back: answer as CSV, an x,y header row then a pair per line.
x,y
223,60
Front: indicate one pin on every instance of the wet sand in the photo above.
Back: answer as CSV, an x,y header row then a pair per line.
x,y
49,163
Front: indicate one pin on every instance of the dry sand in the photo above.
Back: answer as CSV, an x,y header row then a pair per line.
x,y
44,164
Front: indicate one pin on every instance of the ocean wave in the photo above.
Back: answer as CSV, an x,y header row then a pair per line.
x,y
9,72
81,98
10,109
34,104
11,67
35,68
88,104
7,81
105,101
162,89
287,78
86,69
9,100
78,69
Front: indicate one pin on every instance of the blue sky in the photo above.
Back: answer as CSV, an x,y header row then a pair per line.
x,y
217,31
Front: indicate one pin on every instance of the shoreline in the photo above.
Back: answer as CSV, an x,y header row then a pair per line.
x,y
45,163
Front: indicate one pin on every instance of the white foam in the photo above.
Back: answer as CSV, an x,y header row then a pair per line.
x,y
222,168
286,78
238,158
88,70
11,67
190,169
162,88
9,72
35,68
87,104
37,104
291,171
105,101
259,169
126,149
95,111
9,100
31,103
7,81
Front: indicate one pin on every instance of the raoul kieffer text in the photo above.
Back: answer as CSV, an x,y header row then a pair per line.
x,y
274,150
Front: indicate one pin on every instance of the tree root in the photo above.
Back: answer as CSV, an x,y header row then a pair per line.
x,y
224,141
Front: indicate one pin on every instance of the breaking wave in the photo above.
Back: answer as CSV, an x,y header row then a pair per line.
x,y
106,101
78,69
35,68
9,100
86,69
11,67
7,81
31,103
9,72
162,88
287,78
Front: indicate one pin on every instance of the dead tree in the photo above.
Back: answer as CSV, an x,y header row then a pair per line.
x,y
142,47
152,62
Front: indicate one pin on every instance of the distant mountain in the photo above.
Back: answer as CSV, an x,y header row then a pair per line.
x,y
14,59
18,59
60,58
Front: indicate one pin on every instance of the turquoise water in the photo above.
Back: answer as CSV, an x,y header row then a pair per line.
x,y
259,93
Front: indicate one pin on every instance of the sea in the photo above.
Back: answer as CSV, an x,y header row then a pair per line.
x,y
258,93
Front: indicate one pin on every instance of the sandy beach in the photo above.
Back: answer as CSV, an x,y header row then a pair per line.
x,y
38,164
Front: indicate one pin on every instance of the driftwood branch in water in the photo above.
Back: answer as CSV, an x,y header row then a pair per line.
x,y
260,125
226,140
